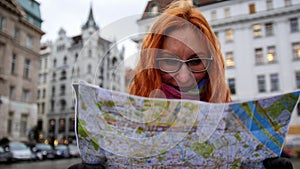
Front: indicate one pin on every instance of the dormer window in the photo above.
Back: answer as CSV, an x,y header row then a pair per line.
x,y
154,9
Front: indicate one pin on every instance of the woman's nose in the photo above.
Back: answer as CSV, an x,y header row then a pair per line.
x,y
184,74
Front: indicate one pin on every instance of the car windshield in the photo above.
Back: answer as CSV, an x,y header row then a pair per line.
x,y
17,146
44,146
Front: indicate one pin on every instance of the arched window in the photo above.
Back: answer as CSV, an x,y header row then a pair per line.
x,y
114,61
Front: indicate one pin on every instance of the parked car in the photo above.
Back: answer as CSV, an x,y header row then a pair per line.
x,y
43,151
5,154
74,150
62,151
20,151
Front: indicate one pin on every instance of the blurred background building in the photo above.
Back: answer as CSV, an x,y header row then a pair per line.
x,y
88,57
260,42
20,34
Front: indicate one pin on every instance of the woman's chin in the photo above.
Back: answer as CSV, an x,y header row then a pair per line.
x,y
186,88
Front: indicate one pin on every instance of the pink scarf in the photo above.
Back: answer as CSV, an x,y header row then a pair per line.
x,y
173,93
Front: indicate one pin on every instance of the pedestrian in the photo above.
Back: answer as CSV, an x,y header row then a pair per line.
x,y
181,58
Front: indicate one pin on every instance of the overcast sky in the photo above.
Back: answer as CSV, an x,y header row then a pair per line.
x,y
115,18
72,14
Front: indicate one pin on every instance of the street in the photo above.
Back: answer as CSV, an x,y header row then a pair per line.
x,y
65,163
47,164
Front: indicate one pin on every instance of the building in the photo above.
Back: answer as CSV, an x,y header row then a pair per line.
x,y
260,42
43,90
87,57
19,65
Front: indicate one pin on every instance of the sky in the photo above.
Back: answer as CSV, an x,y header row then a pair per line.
x,y
116,19
72,14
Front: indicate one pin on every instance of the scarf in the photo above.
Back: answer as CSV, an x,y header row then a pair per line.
x,y
173,93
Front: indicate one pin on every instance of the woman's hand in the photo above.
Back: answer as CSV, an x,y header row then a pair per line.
x,y
278,163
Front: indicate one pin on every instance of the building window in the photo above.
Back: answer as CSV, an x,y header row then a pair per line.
x,y
229,60
294,24
63,75
271,55
12,92
269,4
274,82
62,125
10,123
72,124
44,93
23,125
298,80
17,34
25,95
227,13
53,91
2,23
288,3
52,105
261,83
65,60
257,32
213,15
51,128
217,34
269,29
259,57
154,9
252,8
38,94
296,50
229,35
53,76
54,63
43,108
63,105
231,84
26,69
29,41
76,57
62,90
89,68
13,64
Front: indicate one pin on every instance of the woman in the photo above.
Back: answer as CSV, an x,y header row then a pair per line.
x,y
181,59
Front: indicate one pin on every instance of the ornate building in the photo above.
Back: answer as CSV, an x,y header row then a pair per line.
x,y
87,57
20,34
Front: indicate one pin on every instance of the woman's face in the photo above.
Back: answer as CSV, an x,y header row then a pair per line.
x,y
184,44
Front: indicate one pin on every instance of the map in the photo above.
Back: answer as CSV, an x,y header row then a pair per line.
x,y
126,131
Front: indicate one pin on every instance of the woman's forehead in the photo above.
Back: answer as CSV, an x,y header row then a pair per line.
x,y
190,37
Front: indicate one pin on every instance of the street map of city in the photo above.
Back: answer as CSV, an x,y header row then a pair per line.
x,y
127,131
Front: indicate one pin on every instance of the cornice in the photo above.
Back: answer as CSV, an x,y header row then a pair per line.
x,y
257,16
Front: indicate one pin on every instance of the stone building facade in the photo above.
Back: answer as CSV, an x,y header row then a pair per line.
x,y
88,57
19,66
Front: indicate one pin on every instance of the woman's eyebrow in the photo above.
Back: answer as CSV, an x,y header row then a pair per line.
x,y
167,54
197,54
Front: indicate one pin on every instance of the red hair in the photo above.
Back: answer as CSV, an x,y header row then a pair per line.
x,y
178,15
